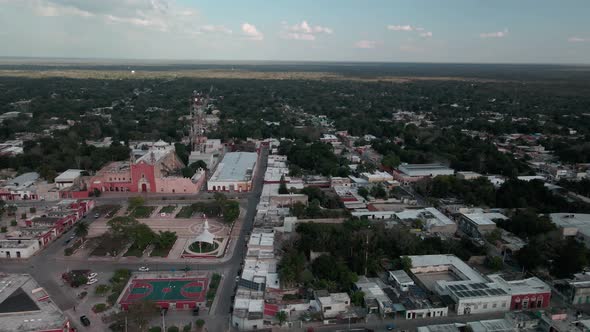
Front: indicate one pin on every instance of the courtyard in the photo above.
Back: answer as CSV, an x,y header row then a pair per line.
x,y
162,218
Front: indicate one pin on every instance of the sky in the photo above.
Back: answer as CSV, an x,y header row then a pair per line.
x,y
474,31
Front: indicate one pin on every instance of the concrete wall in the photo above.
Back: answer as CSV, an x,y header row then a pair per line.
x,y
483,305
16,253
427,313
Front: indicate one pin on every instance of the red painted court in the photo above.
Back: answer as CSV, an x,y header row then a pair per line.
x,y
174,293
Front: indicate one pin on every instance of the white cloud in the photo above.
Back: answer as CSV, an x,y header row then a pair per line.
x,y
575,39
402,28
299,36
215,29
366,44
51,9
410,28
497,34
251,32
303,31
161,15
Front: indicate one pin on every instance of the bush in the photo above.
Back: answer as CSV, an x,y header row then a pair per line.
x,y
68,251
33,209
187,327
173,329
102,290
3,229
155,329
13,223
99,307
200,323
23,216
112,299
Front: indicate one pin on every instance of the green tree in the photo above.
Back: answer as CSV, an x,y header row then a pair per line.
x,y
230,210
391,160
81,230
135,202
141,312
358,298
406,263
571,256
11,210
363,192
165,239
198,164
494,263
200,323
281,317
122,225
283,186
142,235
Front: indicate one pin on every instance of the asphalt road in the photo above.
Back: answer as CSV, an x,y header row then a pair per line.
x,y
47,269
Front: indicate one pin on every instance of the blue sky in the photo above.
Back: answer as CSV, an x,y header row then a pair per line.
x,y
498,31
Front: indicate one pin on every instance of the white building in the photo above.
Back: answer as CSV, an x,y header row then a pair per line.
x,y
26,306
478,223
472,292
67,178
434,221
332,304
401,280
234,172
15,249
248,313
377,177
376,301
573,224
468,175
424,170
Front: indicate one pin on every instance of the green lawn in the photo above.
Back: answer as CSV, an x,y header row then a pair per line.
x,y
167,209
143,211
205,247
108,244
110,209
185,212
160,252
134,251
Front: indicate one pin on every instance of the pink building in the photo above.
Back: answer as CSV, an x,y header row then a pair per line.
x,y
157,171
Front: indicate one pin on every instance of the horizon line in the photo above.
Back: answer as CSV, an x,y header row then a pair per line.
x,y
35,60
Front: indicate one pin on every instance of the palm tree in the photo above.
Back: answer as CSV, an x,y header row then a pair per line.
x,y
281,316
81,230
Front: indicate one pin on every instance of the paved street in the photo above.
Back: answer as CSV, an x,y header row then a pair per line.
x,y
47,269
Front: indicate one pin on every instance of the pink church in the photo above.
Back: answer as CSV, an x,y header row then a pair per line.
x,y
156,171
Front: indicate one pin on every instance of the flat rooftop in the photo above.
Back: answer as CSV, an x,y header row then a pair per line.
x,y
415,167
17,243
467,273
69,175
484,218
430,215
236,166
532,285
580,221
25,306
401,276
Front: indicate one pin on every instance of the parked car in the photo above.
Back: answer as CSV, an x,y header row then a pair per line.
x,y
84,320
196,311
92,275
92,281
144,269
96,215
390,327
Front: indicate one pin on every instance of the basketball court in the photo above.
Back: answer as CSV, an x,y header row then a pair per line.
x,y
166,291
